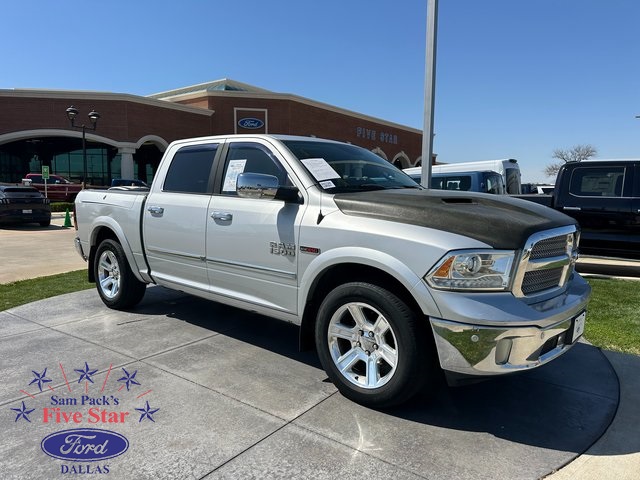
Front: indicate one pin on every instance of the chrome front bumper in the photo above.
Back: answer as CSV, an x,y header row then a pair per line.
x,y
473,350
528,335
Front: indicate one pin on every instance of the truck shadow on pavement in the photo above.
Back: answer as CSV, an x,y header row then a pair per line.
x,y
564,406
31,227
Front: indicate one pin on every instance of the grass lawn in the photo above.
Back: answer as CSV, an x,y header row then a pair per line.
x,y
613,315
26,291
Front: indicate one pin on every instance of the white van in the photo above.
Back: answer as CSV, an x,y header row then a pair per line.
x,y
508,168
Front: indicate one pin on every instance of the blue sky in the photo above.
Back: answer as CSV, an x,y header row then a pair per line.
x,y
515,78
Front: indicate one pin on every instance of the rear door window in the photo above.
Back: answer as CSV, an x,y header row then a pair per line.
x,y
598,182
190,169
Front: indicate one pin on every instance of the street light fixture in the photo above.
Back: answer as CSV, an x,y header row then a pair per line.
x,y
72,113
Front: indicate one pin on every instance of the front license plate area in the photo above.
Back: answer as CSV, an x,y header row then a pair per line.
x,y
577,327
27,211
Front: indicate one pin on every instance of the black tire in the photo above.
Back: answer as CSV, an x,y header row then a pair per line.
x,y
117,285
381,345
46,223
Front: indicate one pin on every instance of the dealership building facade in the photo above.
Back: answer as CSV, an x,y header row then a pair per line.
x,y
133,131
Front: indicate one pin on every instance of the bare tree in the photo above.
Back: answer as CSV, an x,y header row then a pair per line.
x,y
577,153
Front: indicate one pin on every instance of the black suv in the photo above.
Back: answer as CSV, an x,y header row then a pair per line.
x,y
23,205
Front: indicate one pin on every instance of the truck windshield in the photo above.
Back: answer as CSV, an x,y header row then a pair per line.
x,y
345,168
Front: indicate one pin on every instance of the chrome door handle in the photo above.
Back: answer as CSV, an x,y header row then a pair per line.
x,y
222,216
155,210
573,209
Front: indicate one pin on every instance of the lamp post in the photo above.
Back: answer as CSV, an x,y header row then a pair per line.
x,y
72,113
429,91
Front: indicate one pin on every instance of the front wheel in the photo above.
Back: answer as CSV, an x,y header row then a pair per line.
x,y
117,285
372,345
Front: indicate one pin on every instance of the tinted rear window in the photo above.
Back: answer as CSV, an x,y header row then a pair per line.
x,y
597,181
190,169
451,182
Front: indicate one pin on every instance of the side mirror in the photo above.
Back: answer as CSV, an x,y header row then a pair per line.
x,y
258,185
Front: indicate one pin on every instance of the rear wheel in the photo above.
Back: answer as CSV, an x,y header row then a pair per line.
x,y
117,285
372,345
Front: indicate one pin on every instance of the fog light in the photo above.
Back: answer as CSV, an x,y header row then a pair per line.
x,y
503,350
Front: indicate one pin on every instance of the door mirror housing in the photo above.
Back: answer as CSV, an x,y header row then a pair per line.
x,y
259,185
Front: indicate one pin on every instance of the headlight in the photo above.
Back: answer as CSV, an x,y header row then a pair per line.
x,y
473,270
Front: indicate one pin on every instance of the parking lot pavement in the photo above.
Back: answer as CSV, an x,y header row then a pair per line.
x,y
29,250
209,391
616,455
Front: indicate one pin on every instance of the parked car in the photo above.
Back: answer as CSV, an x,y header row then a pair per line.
x,y
58,189
604,197
23,205
482,181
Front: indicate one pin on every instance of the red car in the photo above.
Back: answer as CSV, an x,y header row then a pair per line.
x,y
23,205
59,189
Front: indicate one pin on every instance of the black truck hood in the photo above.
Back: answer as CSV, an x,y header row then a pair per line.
x,y
499,221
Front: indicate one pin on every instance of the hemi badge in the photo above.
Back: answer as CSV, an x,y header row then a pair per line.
x,y
310,250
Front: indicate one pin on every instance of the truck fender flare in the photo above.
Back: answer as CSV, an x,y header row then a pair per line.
x,y
110,224
371,258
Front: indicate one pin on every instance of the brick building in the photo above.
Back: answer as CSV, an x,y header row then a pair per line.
x,y
133,131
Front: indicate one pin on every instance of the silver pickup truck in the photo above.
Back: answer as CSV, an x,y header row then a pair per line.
x,y
387,280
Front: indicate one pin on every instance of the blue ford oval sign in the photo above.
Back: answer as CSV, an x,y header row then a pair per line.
x,y
84,444
250,123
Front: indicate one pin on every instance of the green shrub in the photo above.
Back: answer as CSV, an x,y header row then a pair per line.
x,y
61,206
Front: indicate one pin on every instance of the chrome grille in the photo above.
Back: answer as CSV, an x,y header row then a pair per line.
x,y
550,247
547,261
539,280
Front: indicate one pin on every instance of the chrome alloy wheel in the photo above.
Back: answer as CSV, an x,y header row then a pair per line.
x,y
362,345
109,274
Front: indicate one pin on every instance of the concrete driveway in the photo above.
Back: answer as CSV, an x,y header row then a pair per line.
x,y
29,250
207,391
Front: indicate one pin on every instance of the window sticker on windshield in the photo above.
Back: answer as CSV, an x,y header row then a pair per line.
x,y
320,169
327,184
235,168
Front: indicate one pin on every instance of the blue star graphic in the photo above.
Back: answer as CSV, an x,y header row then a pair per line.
x,y
40,378
129,379
147,412
86,373
23,412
